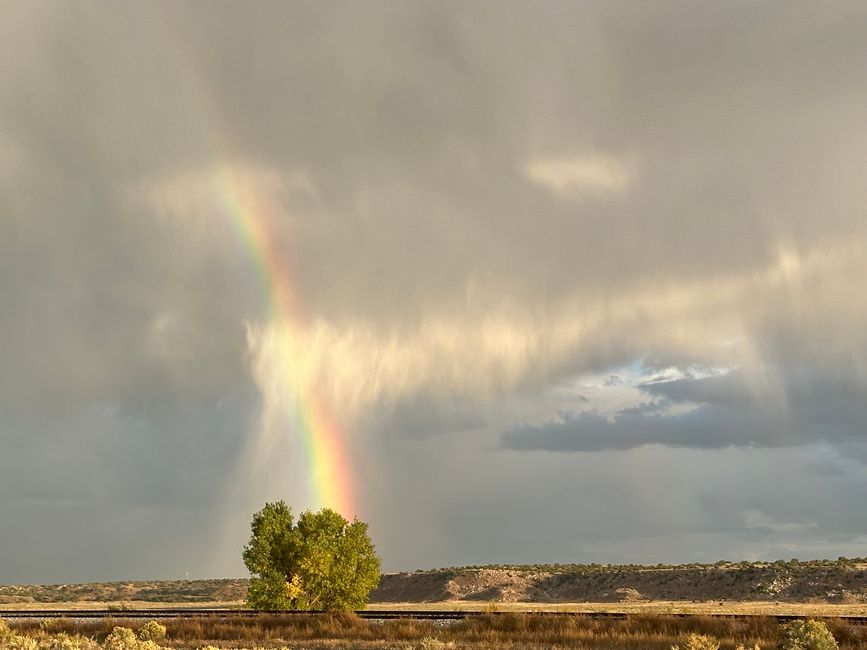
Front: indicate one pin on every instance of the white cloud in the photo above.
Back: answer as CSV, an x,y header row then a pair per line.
x,y
576,176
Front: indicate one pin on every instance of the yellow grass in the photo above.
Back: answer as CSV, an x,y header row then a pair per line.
x,y
506,631
758,608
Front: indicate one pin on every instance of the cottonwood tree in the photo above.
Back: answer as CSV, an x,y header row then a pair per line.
x,y
320,562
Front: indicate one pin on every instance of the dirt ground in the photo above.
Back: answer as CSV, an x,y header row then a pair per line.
x,y
643,607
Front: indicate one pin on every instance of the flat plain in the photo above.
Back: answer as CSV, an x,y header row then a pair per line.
x,y
510,601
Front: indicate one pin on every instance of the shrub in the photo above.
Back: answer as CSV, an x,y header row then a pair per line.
x,y
66,642
698,642
152,631
121,638
807,635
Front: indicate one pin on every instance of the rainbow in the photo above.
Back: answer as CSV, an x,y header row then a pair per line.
x,y
322,438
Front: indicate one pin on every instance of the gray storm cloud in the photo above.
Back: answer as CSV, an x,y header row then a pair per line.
x,y
723,411
478,204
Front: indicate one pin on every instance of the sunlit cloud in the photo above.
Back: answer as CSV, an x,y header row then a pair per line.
x,y
576,176
358,365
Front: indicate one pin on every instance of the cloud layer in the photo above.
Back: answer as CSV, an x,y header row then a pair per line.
x,y
734,409
485,211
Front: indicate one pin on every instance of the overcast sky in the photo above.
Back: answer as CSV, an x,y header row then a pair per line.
x,y
582,281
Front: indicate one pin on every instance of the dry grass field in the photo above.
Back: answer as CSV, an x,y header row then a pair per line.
x,y
753,608
487,632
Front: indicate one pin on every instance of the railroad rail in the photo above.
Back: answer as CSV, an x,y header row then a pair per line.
x,y
376,615
188,612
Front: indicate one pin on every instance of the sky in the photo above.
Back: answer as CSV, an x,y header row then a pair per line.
x,y
511,282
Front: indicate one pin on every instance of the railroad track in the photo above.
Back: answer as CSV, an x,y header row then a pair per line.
x,y
218,613
375,615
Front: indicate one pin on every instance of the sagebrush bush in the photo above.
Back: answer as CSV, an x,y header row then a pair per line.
x,y
123,638
42,641
807,635
698,642
48,625
152,631
9,640
66,642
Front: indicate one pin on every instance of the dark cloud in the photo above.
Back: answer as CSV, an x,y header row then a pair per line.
x,y
419,417
731,409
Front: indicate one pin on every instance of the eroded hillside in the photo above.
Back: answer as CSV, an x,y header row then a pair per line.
x,y
844,582
158,591
839,581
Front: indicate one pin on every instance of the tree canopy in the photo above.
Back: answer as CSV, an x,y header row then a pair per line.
x,y
319,562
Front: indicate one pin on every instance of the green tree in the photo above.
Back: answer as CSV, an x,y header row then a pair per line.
x,y
319,562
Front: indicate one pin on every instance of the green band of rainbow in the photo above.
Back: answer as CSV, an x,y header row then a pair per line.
x,y
321,437
323,441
